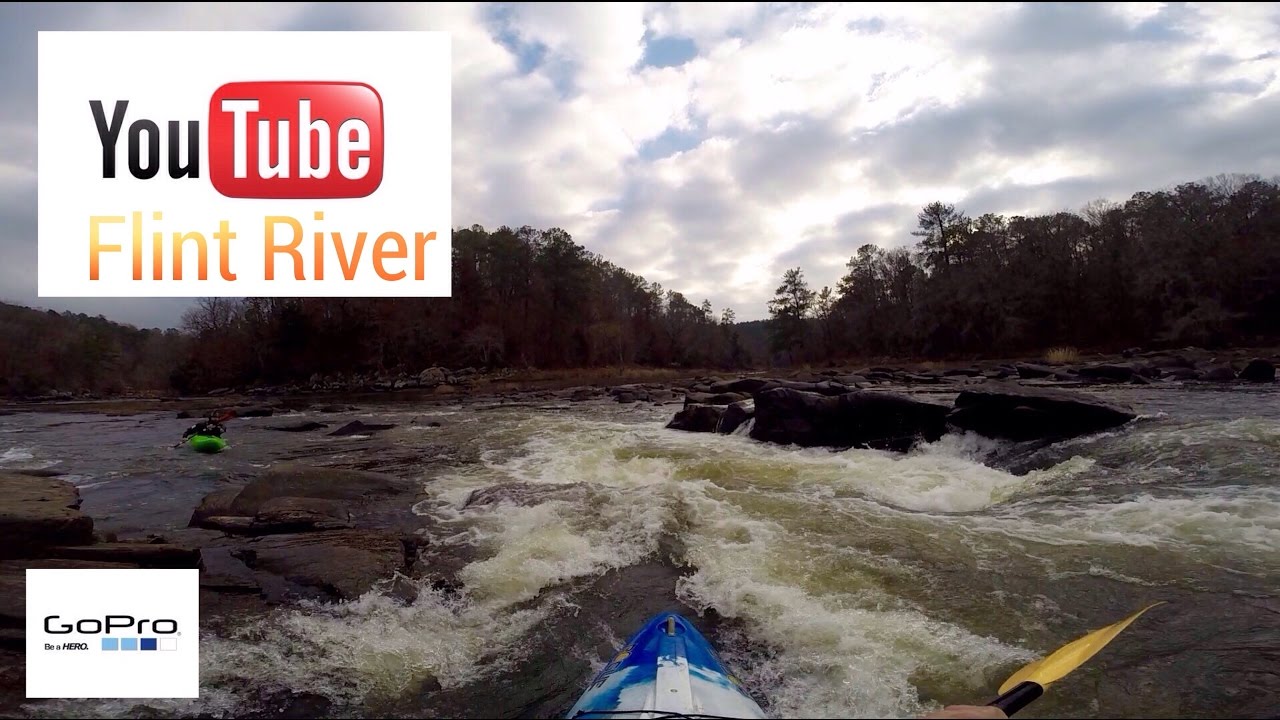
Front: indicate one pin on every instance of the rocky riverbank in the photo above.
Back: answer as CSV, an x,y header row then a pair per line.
x,y
438,384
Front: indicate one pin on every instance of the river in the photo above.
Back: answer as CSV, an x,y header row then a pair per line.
x,y
844,584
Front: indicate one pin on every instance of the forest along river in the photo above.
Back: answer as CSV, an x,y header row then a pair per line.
x,y
851,584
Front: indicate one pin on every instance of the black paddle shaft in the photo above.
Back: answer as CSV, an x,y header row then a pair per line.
x,y
1019,697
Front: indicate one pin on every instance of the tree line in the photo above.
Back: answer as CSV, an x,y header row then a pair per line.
x,y
47,351
522,298
1198,264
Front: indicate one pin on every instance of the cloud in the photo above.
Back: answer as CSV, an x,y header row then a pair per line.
x,y
709,147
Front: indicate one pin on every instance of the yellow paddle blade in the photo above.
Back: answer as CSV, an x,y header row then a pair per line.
x,y
1071,656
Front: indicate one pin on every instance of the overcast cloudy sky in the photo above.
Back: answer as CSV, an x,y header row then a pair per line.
x,y
710,147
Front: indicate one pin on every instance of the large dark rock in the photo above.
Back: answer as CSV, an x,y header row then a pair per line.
x,y
736,414
1259,370
305,481
38,513
1015,412
1118,372
293,497
1177,372
861,418
1218,373
342,564
355,427
696,417
825,387
741,385
723,398
141,554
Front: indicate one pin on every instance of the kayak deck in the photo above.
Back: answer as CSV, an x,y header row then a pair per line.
x,y
666,669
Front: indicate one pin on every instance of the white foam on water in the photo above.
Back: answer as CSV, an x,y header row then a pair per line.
x,y
374,648
15,455
779,539
1244,518
839,658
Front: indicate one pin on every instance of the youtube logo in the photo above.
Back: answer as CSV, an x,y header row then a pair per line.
x,y
295,140
314,140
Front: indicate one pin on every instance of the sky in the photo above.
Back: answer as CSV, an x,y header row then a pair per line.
x,y
710,147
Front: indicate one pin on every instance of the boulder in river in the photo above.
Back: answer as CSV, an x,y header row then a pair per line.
x,y
1259,370
1218,373
342,564
724,398
736,414
1015,412
696,417
38,513
1115,372
741,385
861,418
355,427
290,495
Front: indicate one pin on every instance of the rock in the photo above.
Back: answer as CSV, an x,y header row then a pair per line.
x,y
1118,372
696,417
300,514
222,571
1218,373
965,372
13,583
215,504
234,524
825,387
295,480
343,564
852,381
1015,412
741,385
335,408
861,418
630,393
1180,373
1170,361
301,426
1130,352
725,398
38,513
144,554
580,394
1032,371
736,414
355,427
255,411
1259,370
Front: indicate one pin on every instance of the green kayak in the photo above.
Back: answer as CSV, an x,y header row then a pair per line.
x,y
207,443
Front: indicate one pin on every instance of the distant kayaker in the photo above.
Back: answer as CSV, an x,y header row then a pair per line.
x,y
208,426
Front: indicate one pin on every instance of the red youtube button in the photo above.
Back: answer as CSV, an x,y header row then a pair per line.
x,y
295,140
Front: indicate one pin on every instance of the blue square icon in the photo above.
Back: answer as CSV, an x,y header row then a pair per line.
x,y
148,643
109,644
128,643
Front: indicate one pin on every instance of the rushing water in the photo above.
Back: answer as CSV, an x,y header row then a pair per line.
x,y
851,584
